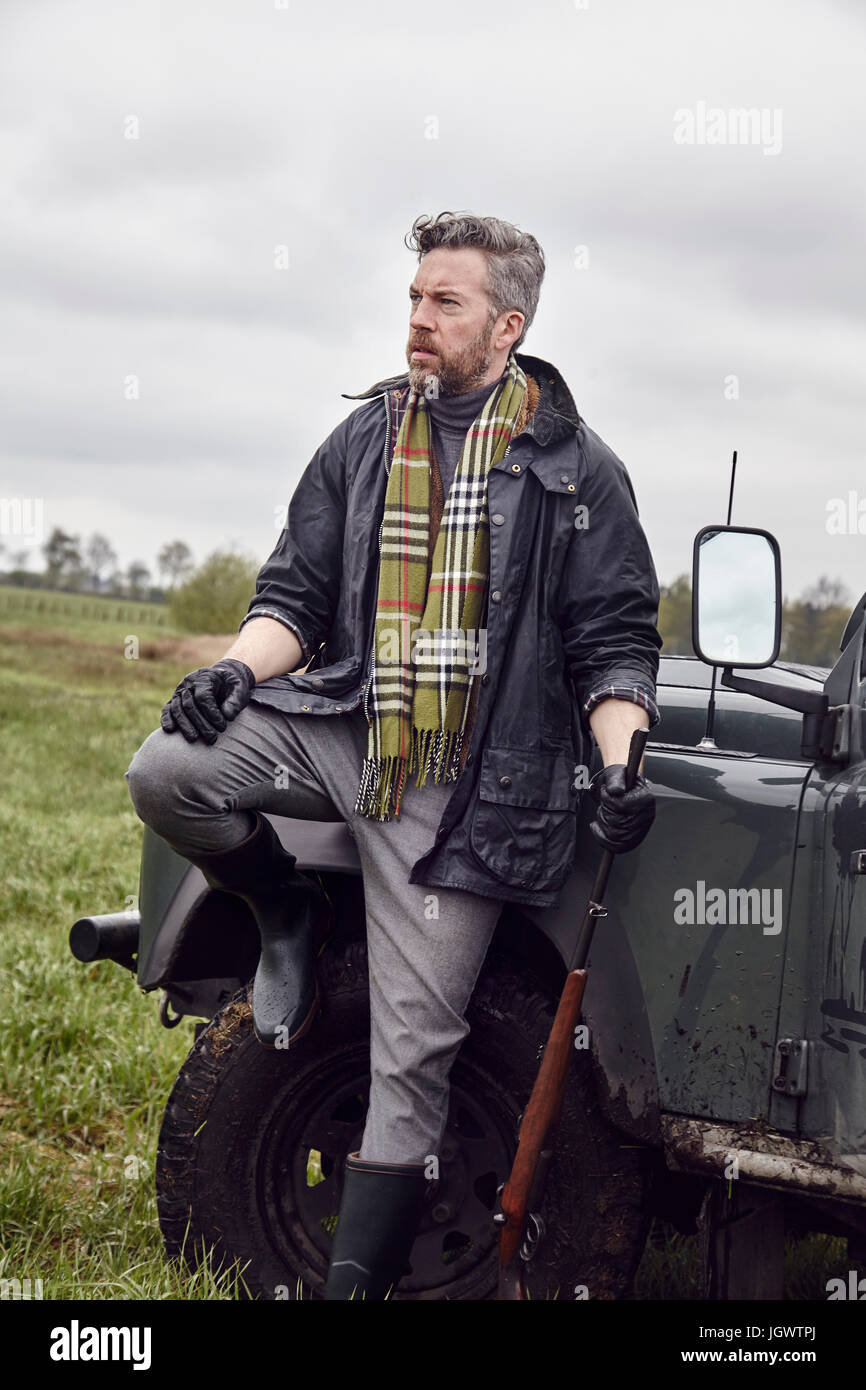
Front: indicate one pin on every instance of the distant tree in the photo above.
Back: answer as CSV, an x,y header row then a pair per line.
x,y
216,595
175,561
137,579
812,625
21,558
827,593
24,579
59,551
99,555
117,583
62,558
675,617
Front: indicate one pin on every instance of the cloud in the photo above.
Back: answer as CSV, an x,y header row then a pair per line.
x,y
260,128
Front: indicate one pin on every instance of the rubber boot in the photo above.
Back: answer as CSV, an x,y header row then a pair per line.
x,y
289,908
379,1217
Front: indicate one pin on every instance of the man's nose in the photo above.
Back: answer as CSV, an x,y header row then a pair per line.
x,y
422,315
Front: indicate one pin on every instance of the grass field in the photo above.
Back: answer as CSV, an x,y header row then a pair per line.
x,y
85,1066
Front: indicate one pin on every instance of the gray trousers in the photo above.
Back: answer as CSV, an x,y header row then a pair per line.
x,y
425,946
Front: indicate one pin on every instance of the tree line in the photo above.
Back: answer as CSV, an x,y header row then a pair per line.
x,y
214,596
209,598
812,625
91,567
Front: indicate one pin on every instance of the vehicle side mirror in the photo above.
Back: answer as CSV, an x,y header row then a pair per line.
x,y
736,596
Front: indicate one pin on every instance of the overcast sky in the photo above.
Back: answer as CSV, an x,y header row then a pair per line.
x,y
704,291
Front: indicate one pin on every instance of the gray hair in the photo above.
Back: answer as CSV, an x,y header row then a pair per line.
x,y
515,261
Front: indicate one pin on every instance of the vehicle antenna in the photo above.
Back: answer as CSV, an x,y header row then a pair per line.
x,y
708,741
731,493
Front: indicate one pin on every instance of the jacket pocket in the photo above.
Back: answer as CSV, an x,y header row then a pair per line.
x,y
525,826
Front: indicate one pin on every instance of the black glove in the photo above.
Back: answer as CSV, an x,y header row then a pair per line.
x,y
624,817
207,698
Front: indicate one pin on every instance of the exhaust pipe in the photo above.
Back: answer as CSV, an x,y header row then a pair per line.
x,y
113,936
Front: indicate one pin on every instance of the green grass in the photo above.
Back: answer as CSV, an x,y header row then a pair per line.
x,y
671,1266
85,1066
79,614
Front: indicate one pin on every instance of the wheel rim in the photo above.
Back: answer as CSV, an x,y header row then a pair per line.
x,y
300,1179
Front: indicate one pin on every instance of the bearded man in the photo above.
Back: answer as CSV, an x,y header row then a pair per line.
x,y
466,506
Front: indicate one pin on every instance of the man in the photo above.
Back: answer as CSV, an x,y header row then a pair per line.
x,y
465,576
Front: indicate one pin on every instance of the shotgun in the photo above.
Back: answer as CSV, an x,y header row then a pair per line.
x,y
520,1201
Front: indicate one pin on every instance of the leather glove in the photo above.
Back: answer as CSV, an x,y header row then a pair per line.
x,y
624,817
207,699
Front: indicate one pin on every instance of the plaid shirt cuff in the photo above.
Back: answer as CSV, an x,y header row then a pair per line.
x,y
639,694
286,622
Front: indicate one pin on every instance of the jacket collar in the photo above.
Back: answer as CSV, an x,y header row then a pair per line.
x,y
555,415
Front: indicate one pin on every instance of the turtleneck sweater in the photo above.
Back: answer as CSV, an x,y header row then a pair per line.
x,y
451,418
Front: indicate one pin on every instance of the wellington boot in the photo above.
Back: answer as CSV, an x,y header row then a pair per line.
x,y
292,913
380,1213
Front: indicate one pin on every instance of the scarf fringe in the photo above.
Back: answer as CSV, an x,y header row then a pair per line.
x,y
383,779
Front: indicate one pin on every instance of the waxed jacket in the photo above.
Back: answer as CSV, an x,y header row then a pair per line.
x,y
571,613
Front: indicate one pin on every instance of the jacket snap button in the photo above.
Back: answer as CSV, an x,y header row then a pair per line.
x,y
496,596
571,487
498,519
318,682
515,467
306,707
564,478
505,781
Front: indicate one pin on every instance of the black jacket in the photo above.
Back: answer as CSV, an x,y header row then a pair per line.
x,y
571,617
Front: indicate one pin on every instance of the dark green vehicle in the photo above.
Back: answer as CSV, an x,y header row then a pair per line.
x,y
722,1084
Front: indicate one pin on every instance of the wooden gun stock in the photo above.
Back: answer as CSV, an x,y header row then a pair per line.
x,y
540,1116
545,1104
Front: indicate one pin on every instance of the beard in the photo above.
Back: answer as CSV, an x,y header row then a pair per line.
x,y
456,374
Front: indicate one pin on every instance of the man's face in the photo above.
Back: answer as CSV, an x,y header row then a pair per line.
x,y
450,317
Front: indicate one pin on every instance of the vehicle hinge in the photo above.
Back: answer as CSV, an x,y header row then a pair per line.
x,y
835,742
791,1066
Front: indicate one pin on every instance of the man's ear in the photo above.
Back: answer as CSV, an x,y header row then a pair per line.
x,y
510,330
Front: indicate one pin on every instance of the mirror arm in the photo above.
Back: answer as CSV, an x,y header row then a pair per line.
x,y
806,701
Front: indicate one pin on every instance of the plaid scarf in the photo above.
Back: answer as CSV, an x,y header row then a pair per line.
x,y
418,693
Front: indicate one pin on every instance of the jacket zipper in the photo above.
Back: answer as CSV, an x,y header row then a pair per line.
x,y
381,529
